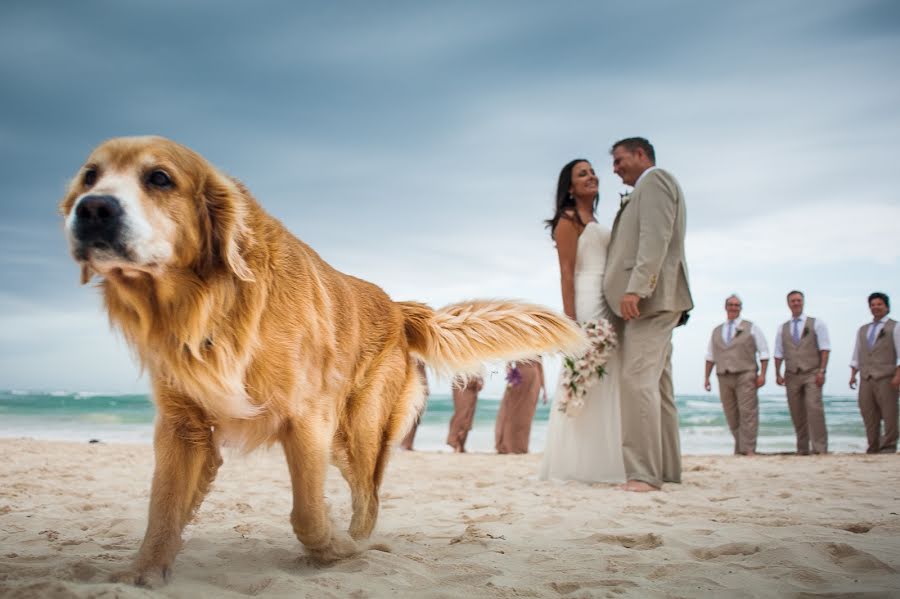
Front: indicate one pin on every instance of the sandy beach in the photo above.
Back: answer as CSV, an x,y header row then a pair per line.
x,y
475,525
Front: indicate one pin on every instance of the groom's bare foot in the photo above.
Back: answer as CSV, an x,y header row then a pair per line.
x,y
638,486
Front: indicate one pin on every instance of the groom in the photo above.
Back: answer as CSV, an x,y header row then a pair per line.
x,y
646,284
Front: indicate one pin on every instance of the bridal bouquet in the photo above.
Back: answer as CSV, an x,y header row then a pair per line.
x,y
578,374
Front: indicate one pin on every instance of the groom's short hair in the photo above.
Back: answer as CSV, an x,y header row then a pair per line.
x,y
633,143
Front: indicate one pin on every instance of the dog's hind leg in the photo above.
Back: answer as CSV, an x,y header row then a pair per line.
x,y
363,450
368,435
306,447
186,463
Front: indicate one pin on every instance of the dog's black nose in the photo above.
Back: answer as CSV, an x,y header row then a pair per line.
x,y
98,220
98,209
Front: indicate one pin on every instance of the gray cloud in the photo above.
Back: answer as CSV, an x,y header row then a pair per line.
x,y
370,129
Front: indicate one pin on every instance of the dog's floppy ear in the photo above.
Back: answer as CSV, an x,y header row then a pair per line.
x,y
86,273
222,227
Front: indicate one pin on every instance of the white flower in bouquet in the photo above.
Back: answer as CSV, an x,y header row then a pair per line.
x,y
579,374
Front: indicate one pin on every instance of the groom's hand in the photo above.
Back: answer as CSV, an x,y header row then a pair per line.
x,y
629,306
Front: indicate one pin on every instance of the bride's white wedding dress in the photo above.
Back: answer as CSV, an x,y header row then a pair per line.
x,y
588,445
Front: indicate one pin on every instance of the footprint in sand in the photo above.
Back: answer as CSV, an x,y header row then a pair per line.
x,y
51,535
855,560
661,572
473,534
505,514
83,571
720,499
474,575
807,577
647,541
727,549
548,520
857,527
243,508
566,588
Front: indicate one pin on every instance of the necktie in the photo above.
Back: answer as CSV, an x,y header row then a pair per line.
x,y
796,333
729,333
871,337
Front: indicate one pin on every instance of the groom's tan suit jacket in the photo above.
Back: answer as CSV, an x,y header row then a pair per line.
x,y
646,250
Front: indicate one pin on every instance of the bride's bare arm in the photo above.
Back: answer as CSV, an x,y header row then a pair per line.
x,y
566,247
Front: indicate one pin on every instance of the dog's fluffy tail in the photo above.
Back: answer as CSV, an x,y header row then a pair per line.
x,y
460,337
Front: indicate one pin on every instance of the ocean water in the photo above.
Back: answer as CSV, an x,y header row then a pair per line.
x,y
129,418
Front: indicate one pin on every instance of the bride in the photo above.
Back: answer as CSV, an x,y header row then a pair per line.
x,y
586,446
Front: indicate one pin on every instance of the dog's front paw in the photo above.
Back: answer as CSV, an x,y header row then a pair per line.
x,y
338,547
147,576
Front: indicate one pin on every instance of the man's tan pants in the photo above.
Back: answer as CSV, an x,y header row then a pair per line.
x,y
804,398
650,443
741,405
877,402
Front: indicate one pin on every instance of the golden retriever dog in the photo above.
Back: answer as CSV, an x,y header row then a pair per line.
x,y
250,338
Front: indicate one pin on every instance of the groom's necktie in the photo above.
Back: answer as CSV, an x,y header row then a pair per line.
x,y
871,337
729,332
796,332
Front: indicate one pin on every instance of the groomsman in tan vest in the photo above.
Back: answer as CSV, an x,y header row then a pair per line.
x,y
876,358
733,349
646,284
802,344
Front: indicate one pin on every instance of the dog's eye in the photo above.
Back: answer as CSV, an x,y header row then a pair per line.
x,y
160,179
89,177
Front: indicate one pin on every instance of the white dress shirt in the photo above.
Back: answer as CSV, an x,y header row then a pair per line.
x,y
821,335
879,326
627,197
652,168
762,348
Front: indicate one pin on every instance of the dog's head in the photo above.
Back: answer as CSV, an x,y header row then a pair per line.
x,y
147,205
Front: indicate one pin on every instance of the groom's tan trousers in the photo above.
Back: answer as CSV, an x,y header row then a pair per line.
x,y
650,442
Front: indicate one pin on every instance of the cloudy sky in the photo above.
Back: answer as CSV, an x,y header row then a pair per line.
x,y
417,145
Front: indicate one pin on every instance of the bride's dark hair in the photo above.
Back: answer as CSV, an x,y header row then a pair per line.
x,y
565,203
